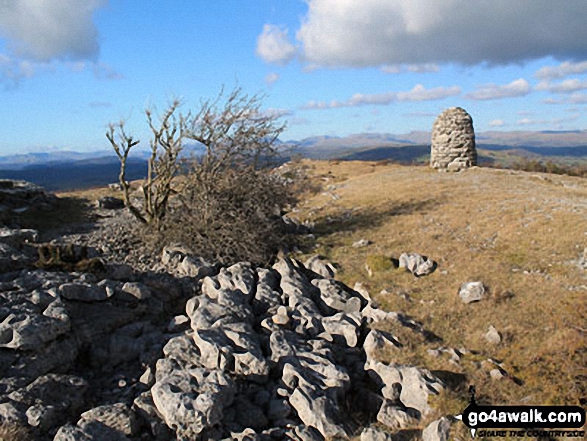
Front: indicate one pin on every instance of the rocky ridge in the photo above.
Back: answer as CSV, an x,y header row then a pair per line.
x,y
174,347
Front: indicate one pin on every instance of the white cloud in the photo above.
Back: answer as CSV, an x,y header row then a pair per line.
x,y
552,101
519,87
578,98
418,93
271,78
273,45
562,70
413,68
103,71
566,86
338,33
44,30
547,122
12,71
497,123
277,113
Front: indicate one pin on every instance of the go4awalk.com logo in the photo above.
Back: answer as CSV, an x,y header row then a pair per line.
x,y
520,421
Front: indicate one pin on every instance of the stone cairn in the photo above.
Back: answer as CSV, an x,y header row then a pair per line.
x,y
453,141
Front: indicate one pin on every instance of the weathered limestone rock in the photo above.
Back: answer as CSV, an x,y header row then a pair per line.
x,y
417,264
115,416
438,430
472,292
453,141
493,336
370,434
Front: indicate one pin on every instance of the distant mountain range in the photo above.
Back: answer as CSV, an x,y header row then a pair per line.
x,y
65,170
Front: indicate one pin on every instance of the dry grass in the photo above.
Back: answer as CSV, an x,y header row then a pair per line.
x,y
517,232
13,432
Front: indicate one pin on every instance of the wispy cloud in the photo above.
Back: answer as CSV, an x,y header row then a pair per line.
x,y
418,93
497,123
562,70
553,101
274,46
519,87
13,71
277,113
558,122
103,71
413,68
566,86
578,98
271,78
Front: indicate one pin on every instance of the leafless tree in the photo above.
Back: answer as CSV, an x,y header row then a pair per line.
x,y
227,204
163,165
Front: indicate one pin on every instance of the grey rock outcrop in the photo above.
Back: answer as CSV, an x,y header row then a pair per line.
x,y
453,141
174,347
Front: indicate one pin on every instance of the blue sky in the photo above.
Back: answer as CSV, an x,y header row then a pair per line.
x,y
331,67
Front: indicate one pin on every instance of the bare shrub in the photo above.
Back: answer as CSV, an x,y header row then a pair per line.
x,y
163,165
236,219
227,205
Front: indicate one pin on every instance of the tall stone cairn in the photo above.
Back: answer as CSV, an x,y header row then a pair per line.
x,y
453,141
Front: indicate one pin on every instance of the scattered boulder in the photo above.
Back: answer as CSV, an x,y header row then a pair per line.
x,y
417,264
137,289
361,243
493,336
110,203
472,292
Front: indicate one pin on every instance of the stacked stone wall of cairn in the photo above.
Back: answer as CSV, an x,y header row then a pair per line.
x,y
453,141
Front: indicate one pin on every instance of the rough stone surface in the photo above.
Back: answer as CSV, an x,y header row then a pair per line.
x,y
453,141
472,292
417,264
170,347
370,434
438,430
493,336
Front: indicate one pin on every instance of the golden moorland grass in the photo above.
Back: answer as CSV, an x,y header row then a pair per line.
x,y
519,233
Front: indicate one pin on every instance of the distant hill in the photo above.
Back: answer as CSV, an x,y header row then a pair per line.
x,y
77,174
66,170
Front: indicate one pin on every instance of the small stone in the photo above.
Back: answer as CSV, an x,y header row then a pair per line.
x,y
496,374
361,243
110,203
178,323
493,336
138,290
148,378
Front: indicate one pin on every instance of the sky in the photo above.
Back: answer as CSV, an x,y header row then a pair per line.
x,y
328,67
